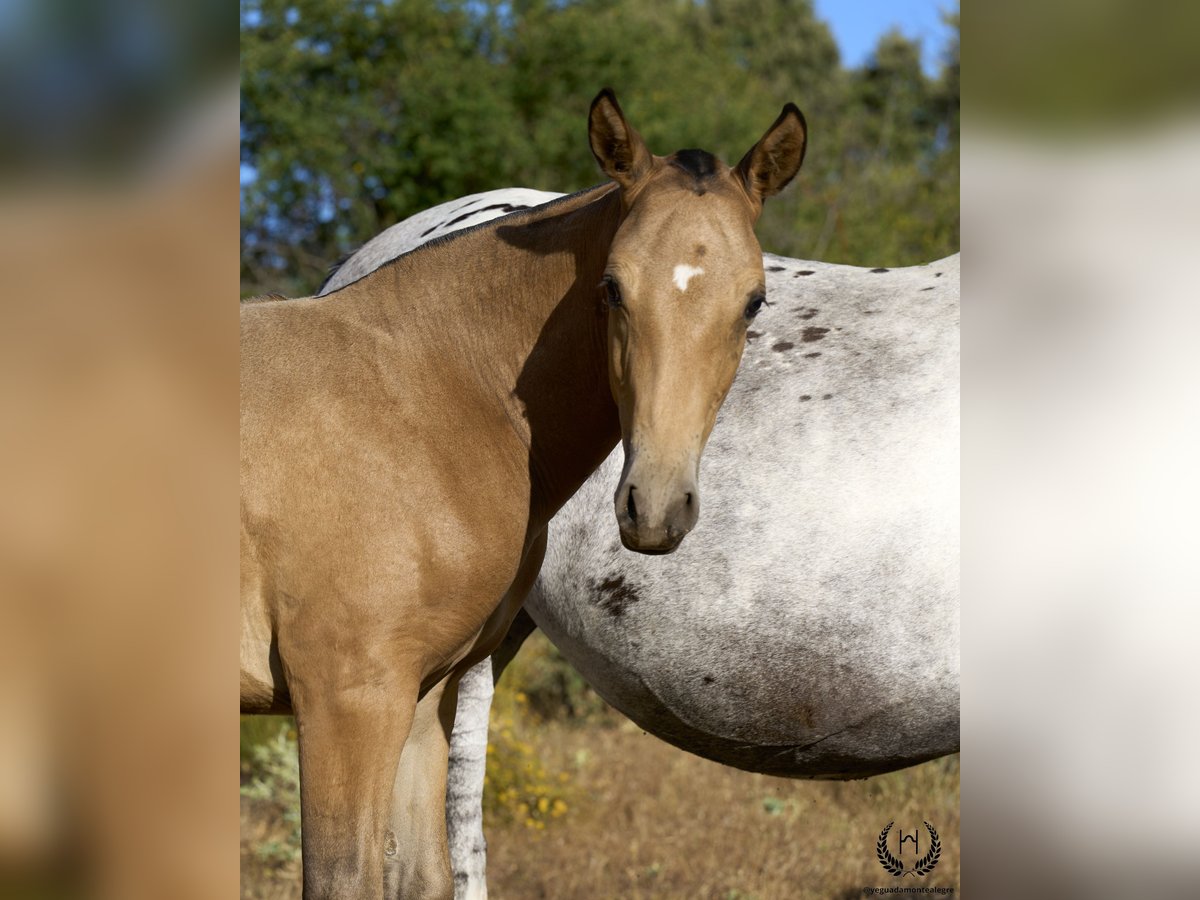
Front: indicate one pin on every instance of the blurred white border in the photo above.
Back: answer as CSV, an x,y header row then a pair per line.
x,y
1081,415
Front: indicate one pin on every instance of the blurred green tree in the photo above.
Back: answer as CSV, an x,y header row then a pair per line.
x,y
358,113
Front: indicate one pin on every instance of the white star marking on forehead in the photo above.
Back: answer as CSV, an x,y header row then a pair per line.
x,y
683,274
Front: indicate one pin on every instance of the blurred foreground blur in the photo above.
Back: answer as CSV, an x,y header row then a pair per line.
x,y
1081,440
118,396
1081,194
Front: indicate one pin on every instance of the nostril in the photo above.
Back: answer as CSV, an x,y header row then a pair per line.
x,y
631,506
689,498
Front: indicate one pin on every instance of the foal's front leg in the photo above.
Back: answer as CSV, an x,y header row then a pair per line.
x,y
354,707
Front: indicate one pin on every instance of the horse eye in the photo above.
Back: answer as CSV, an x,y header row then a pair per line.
x,y
612,291
756,303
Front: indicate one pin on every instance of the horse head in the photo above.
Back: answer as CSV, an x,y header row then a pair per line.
x,y
683,281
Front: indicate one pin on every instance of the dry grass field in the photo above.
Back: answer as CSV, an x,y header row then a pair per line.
x,y
590,806
651,821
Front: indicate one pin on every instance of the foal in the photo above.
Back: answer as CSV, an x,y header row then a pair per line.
x,y
406,439
799,634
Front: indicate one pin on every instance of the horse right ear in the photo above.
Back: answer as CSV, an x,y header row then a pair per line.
x,y
770,164
618,148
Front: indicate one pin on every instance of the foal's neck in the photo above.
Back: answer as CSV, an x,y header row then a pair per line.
x,y
512,309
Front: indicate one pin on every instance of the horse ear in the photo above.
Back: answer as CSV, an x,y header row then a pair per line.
x,y
770,164
618,148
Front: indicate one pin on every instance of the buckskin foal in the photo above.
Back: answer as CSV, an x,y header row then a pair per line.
x,y
811,632
406,439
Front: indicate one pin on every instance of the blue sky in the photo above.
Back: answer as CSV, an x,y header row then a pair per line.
x,y
857,25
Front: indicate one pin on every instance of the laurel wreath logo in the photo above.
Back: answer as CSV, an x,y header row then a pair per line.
x,y
922,866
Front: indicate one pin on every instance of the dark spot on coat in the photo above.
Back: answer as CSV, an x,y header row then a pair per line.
x,y
774,268
708,679
877,271
937,274
751,335
783,345
927,289
701,249
804,397
804,272
813,333
614,596
827,396
807,312
503,207
580,532
506,207
811,355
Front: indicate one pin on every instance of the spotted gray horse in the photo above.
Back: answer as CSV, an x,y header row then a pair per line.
x,y
809,626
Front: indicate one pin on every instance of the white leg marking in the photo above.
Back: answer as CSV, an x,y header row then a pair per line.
x,y
464,783
684,274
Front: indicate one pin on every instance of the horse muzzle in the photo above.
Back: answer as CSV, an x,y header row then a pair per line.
x,y
654,517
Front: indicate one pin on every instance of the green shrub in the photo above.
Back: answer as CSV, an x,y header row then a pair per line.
x,y
273,768
538,687
552,689
518,786
257,730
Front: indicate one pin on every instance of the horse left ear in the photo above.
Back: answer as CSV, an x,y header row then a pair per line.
x,y
618,148
770,164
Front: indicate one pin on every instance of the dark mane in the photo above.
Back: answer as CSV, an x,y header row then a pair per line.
x,y
700,164
333,270
269,297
